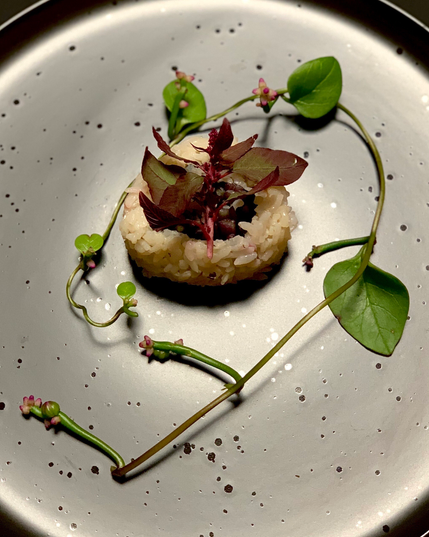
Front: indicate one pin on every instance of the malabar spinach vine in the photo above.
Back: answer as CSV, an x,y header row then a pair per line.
x,y
370,304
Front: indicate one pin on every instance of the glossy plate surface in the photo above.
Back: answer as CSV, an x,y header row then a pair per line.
x,y
328,439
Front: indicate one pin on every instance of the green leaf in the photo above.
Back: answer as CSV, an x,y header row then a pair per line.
x,y
374,310
196,111
315,87
84,242
126,290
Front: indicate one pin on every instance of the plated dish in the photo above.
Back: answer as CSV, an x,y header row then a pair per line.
x,y
329,434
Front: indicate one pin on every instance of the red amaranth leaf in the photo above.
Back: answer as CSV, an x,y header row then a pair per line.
x,y
259,162
157,218
158,175
235,152
162,144
176,198
223,140
270,180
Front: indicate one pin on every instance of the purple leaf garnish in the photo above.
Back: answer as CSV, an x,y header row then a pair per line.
x,y
233,153
157,218
162,144
258,162
202,204
220,140
158,175
177,197
271,179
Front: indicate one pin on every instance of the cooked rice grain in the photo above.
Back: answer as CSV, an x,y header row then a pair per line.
x,y
173,255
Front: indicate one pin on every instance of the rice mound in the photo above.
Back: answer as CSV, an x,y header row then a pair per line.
x,y
173,255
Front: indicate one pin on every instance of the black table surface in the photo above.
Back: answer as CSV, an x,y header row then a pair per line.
x,y
417,8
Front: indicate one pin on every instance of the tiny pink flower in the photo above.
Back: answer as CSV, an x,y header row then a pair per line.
x,y
265,93
179,341
53,421
183,104
181,74
28,403
147,345
91,264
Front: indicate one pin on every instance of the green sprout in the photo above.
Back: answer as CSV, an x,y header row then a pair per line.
x,y
51,414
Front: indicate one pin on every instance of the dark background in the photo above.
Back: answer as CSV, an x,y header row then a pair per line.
x,y
417,8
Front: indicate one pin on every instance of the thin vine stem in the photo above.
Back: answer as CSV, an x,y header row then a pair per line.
x,y
72,426
83,308
214,117
115,213
72,276
183,350
328,247
118,472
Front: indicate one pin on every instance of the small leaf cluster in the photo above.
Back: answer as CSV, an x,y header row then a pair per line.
x,y
127,290
200,197
175,94
88,246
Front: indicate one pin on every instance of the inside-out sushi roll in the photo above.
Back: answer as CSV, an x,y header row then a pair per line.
x,y
210,212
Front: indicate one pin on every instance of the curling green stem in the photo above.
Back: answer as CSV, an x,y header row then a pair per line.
x,y
166,346
81,267
239,385
318,251
72,426
214,117
83,308
115,214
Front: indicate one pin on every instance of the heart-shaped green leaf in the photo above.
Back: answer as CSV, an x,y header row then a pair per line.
x,y
196,111
315,87
374,310
126,290
84,242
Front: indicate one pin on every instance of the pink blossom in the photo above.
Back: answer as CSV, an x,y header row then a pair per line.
x,y
28,403
183,104
52,421
265,93
182,75
147,345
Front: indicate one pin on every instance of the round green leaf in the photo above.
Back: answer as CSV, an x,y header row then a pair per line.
x,y
126,290
315,87
84,242
374,310
96,241
196,111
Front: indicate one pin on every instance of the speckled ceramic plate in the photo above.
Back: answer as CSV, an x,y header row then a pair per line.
x,y
329,439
